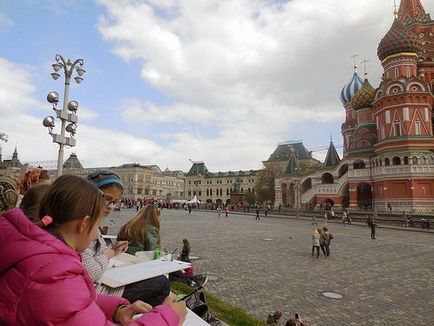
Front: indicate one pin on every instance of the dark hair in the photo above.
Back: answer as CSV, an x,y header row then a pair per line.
x,y
31,201
325,229
291,322
277,314
105,178
70,198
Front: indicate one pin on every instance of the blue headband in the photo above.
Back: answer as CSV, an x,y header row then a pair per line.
x,y
109,181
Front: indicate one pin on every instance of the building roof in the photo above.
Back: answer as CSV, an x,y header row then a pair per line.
x,y
332,157
411,11
397,40
198,168
239,173
72,162
282,152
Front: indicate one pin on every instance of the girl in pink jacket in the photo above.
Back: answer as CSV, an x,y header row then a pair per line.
x,y
42,279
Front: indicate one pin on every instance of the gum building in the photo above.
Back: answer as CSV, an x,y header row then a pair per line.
x,y
388,153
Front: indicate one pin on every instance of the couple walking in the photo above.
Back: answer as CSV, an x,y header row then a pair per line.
x,y
321,238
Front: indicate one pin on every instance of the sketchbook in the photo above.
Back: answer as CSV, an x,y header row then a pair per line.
x,y
135,272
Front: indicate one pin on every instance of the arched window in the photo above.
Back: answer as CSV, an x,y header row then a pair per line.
x,y
405,160
359,164
327,178
386,161
343,170
415,160
396,161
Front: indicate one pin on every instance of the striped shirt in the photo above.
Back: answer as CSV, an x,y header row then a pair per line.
x,y
96,264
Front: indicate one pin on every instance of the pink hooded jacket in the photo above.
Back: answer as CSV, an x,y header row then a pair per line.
x,y
43,282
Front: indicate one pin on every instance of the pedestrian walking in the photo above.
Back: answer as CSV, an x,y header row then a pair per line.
x,y
266,211
315,242
346,218
257,213
219,211
189,209
327,240
226,211
322,242
371,223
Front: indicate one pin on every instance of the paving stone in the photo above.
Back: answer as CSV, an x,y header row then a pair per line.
x,y
386,281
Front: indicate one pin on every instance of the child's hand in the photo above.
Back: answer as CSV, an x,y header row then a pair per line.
x,y
120,247
126,314
180,309
170,298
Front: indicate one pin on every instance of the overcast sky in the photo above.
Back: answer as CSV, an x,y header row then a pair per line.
x,y
168,80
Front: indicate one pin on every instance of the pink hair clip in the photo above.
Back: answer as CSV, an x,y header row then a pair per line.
x,y
47,220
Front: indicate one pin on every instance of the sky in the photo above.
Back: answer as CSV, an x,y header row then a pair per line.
x,y
172,80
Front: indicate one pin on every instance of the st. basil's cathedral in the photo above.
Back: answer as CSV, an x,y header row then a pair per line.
x,y
388,143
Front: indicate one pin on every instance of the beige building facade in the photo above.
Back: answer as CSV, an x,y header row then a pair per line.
x,y
216,187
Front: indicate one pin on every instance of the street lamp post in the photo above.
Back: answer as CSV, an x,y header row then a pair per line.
x,y
3,137
297,189
296,183
65,117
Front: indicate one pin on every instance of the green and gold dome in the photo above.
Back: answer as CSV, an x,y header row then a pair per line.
x,y
364,97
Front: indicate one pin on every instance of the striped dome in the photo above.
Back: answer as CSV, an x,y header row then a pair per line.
x,y
351,88
364,97
397,40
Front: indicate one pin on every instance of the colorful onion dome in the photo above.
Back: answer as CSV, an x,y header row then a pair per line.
x,y
364,97
351,88
397,40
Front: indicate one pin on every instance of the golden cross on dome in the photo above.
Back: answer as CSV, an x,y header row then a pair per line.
x,y
364,63
354,56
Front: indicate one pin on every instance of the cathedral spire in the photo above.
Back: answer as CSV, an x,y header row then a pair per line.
x,y
411,10
332,157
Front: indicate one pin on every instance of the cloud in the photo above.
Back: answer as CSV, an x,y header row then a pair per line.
x,y
16,89
146,112
95,146
5,21
251,69
86,114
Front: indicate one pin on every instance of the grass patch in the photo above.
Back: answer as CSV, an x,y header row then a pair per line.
x,y
226,312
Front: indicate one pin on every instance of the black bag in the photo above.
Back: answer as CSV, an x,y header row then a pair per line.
x,y
196,303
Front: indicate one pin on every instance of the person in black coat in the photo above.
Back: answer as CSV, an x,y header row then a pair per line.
x,y
371,223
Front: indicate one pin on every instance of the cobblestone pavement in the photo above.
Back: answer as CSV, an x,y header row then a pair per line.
x,y
387,281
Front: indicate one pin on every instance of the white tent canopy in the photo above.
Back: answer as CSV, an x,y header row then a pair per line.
x,y
194,201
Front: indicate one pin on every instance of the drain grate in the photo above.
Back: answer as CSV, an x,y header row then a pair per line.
x,y
267,239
